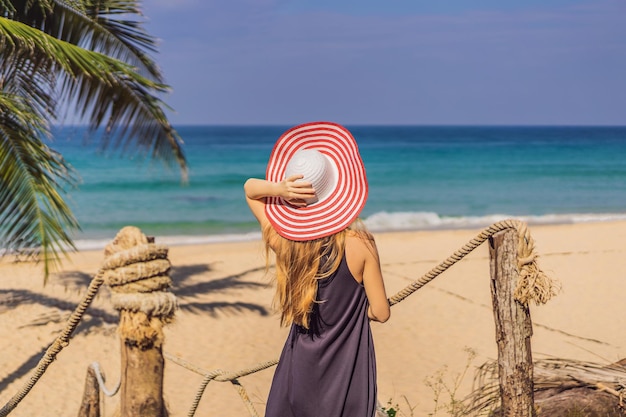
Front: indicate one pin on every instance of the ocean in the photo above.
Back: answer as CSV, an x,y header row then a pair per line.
x,y
420,177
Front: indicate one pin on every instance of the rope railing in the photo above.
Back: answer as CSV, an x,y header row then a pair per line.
x,y
59,343
533,285
221,376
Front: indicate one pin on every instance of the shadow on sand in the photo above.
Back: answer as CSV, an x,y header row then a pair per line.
x,y
186,288
23,369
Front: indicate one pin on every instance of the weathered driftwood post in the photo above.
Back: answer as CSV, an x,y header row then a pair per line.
x,y
513,328
140,292
90,406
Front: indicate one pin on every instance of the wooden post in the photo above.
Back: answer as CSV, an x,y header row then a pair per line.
x,y
90,407
142,366
513,328
140,292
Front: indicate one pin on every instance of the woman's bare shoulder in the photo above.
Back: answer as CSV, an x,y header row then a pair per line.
x,y
360,236
361,243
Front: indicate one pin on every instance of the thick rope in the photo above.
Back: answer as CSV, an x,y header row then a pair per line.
x,y
533,283
109,393
221,376
138,274
59,343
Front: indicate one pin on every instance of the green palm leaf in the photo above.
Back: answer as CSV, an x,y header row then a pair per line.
x,y
107,90
33,214
37,71
105,26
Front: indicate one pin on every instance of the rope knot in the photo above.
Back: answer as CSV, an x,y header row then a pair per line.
x,y
137,272
533,284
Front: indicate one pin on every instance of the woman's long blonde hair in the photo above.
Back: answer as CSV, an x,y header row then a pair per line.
x,y
299,266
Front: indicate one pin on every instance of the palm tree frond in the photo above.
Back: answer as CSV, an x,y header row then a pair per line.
x,y
107,91
89,53
33,214
110,27
30,78
114,17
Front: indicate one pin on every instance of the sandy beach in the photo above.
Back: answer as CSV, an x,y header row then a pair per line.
x,y
225,319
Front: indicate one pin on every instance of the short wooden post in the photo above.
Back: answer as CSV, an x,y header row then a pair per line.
x,y
140,292
513,328
90,406
142,367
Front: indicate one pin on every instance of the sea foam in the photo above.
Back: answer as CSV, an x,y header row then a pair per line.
x,y
408,221
383,222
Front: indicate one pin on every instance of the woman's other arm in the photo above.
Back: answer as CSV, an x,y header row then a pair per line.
x,y
292,190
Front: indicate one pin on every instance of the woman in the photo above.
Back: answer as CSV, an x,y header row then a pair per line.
x,y
328,276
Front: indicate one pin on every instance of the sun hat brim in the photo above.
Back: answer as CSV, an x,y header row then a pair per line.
x,y
341,206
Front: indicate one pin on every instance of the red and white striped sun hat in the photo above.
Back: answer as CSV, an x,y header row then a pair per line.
x,y
328,157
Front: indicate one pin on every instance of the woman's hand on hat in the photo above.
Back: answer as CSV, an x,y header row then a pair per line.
x,y
295,191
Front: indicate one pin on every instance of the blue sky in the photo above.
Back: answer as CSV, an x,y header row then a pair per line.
x,y
415,62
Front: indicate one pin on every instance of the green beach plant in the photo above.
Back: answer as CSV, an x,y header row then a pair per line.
x,y
85,55
394,410
448,385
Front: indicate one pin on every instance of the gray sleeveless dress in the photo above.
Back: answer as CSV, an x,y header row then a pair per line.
x,y
328,370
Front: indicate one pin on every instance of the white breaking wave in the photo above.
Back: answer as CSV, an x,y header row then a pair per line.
x,y
385,222
405,221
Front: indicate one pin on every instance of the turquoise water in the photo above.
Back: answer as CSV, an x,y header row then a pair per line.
x,y
419,177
